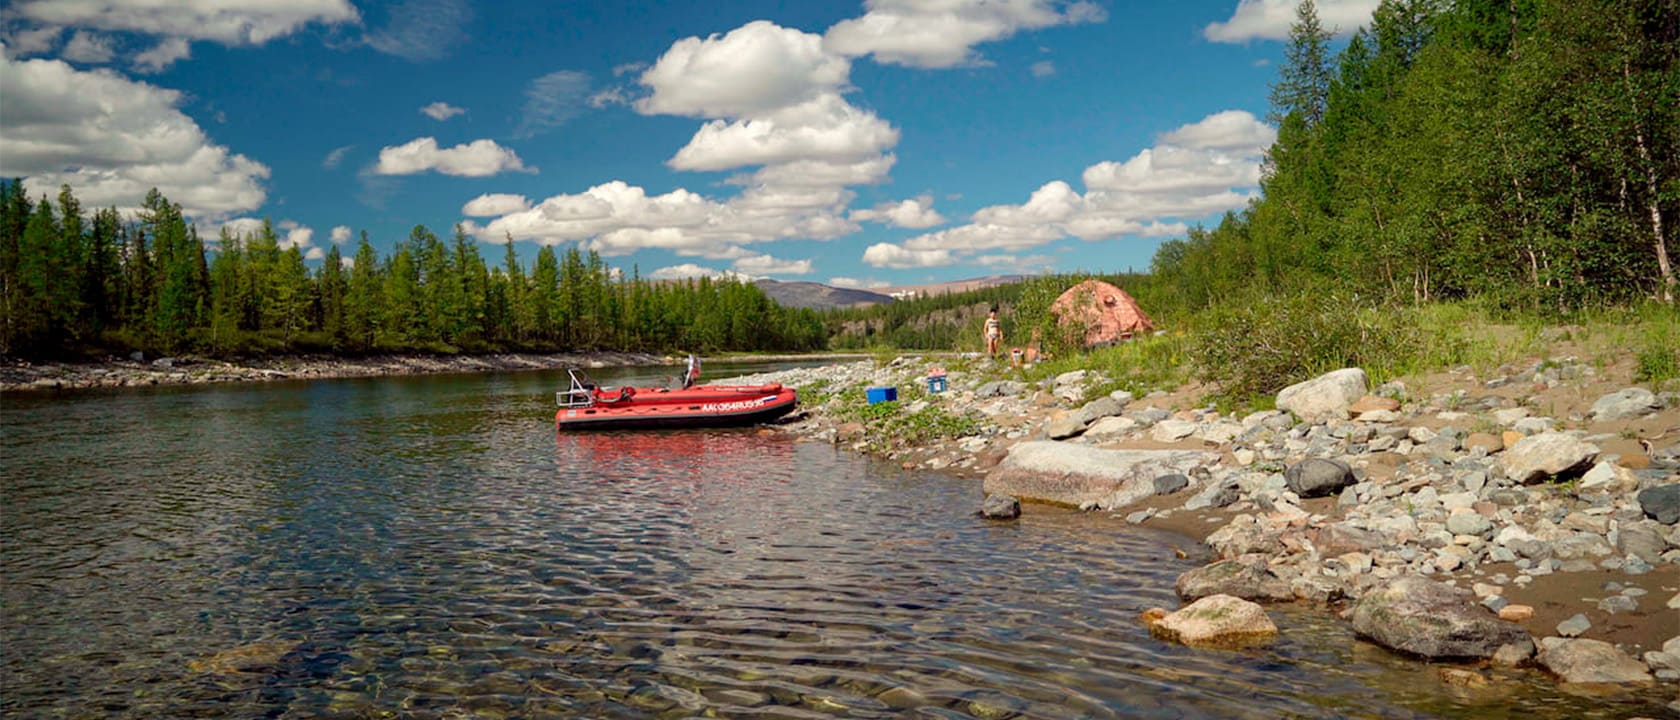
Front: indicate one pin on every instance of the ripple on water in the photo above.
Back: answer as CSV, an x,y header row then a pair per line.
x,y
430,548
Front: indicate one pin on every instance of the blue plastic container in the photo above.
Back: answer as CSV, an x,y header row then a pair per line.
x,y
881,394
936,384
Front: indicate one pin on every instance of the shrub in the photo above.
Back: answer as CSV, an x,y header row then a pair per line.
x,y
1254,349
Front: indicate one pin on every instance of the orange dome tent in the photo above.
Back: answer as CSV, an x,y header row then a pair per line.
x,y
1106,313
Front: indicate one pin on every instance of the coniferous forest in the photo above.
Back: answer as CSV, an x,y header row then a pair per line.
x,y
1520,152
76,286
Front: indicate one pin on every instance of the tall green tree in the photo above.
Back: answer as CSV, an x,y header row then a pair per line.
x,y
1303,86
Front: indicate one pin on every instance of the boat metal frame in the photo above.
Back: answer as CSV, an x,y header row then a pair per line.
x,y
580,394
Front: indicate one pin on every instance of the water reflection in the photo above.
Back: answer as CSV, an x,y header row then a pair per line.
x,y
430,547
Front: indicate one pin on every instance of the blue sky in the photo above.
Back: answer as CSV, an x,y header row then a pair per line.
x,y
882,142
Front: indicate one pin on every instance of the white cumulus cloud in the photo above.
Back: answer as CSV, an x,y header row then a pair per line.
x,y
858,283
297,236
241,22
825,129
167,52
441,111
888,255
340,234
493,204
943,33
915,213
756,68
88,47
691,270
1270,19
1199,169
767,265
479,158
112,139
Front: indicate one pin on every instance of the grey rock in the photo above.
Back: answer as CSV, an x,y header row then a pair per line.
x,y
1318,477
1172,430
1065,426
1000,388
1122,397
1000,507
1547,455
1342,537
1216,495
1642,539
1591,661
1325,397
1581,546
1661,503
1149,415
1249,581
1071,474
1626,403
1514,654
1171,483
1098,409
1216,620
1574,626
1532,425
1468,523
1618,604
1419,616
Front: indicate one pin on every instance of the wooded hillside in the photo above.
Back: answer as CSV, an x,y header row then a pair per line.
x,y
1523,151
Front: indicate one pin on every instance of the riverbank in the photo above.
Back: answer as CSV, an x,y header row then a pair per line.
x,y
1538,498
140,371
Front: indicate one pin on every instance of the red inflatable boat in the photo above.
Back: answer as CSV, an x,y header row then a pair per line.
x,y
586,406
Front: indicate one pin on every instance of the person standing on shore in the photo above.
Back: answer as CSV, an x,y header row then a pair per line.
x,y
994,333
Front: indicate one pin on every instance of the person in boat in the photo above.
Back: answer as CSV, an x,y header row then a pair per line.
x,y
994,333
692,374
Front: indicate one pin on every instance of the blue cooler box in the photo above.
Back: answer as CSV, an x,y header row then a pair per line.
x,y
936,384
881,394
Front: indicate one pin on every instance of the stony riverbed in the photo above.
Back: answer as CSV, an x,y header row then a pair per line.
x,y
1527,518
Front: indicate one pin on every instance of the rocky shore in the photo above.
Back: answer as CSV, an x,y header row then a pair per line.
x,y
138,370
1525,519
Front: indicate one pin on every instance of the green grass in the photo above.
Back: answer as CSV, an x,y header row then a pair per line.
x,y
888,425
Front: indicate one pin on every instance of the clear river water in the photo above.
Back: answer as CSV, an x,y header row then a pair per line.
x,y
429,547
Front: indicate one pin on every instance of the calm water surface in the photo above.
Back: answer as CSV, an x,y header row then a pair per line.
x,y
428,547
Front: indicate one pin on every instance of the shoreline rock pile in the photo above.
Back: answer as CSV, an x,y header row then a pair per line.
x,y
1422,516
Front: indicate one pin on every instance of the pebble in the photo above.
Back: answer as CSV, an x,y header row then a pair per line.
x,y
1574,626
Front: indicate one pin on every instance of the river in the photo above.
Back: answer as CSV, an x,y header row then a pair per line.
x,y
428,547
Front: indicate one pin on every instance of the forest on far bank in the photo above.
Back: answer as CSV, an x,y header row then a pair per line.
x,y
73,286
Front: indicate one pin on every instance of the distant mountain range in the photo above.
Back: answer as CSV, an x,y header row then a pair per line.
x,y
822,297
817,295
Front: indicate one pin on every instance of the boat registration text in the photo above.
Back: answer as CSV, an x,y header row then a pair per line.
x,y
738,405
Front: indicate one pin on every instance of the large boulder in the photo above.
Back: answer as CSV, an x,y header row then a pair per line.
x,y
1098,409
1249,581
1661,503
1580,660
1326,397
1318,477
1217,621
1069,474
1537,458
1631,402
1418,616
